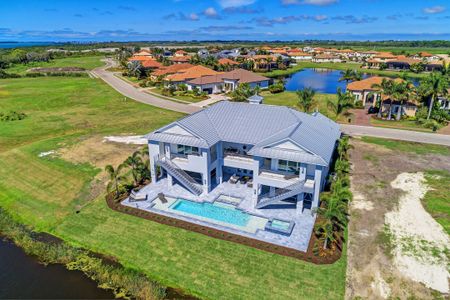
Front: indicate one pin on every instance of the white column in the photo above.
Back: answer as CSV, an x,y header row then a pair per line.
x,y
317,186
219,169
300,203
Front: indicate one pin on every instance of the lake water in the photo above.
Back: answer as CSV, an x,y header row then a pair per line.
x,y
22,277
321,80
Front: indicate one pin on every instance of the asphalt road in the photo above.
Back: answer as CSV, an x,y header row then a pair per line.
x,y
397,134
131,92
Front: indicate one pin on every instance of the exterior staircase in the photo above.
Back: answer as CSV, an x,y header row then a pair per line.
x,y
281,194
184,178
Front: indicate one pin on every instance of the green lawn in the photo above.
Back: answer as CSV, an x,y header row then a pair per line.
x,y
338,66
402,124
290,99
404,146
87,62
436,200
43,193
177,96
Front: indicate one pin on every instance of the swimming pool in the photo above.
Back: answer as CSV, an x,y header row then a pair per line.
x,y
213,211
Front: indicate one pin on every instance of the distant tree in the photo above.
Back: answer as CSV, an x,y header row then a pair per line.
x,y
135,69
435,85
306,98
242,93
344,102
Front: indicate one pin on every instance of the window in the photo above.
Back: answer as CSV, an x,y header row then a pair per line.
x,y
288,166
187,150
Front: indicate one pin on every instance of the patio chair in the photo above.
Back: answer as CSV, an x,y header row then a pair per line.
x,y
162,198
250,183
136,197
234,179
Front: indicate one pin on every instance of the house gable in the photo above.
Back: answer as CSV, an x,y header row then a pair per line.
x,y
288,145
178,130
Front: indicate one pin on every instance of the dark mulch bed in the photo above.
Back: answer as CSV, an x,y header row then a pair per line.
x,y
308,256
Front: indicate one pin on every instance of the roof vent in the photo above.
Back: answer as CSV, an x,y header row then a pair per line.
x,y
255,99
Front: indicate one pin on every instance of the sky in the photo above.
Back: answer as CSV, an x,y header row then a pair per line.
x,y
181,20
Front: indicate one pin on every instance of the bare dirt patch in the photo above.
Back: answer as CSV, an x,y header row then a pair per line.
x,y
99,153
371,272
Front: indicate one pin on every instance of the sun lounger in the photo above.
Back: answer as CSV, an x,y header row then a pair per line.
x,y
136,197
162,198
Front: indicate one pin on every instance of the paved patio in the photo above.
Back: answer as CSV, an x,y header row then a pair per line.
x,y
298,239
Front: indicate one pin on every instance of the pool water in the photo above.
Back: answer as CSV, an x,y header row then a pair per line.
x,y
280,224
214,211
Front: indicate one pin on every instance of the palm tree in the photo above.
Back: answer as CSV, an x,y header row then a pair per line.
x,y
347,75
344,102
306,99
135,163
343,147
115,178
386,89
342,166
334,214
436,85
403,91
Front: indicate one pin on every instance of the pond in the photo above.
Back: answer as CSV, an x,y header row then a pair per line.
x,y
22,277
321,80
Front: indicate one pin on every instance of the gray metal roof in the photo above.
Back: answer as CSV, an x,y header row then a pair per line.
x,y
261,126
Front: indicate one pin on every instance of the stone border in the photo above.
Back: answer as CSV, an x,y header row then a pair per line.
x,y
308,256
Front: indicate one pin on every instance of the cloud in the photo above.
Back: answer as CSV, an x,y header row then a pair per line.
x,y
434,9
211,13
223,28
235,3
242,10
350,19
182,17
128,8
78,15
309,2
269,22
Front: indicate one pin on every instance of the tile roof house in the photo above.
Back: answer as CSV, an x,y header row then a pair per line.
x,y
285,153
180,53
228,81
227,61
151,64
172,69
184,75
326,58
364,91
180,59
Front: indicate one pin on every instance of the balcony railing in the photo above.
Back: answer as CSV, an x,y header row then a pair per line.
x,y
278,174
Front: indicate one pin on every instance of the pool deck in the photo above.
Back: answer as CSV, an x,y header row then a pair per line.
x,y
298,239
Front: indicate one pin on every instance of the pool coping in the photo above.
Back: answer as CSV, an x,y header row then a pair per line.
x,y
308,256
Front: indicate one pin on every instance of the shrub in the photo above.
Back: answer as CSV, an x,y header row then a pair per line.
x,y
276,88
12,116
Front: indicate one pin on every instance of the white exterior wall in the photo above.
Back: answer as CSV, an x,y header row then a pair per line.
x,y
202,164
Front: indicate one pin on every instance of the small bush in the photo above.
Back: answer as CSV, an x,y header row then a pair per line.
x,y
12,116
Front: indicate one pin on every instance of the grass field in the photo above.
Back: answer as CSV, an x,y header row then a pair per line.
x,y
339,66
44,193
404,146
290,99
401,124
87,62
436,201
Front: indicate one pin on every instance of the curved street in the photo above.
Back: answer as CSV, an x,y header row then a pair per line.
x,y
131,92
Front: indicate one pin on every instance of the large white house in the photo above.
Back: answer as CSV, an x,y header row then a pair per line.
x,y
283,155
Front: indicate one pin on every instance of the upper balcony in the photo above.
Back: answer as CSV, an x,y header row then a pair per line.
x,y
238,160
281,179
